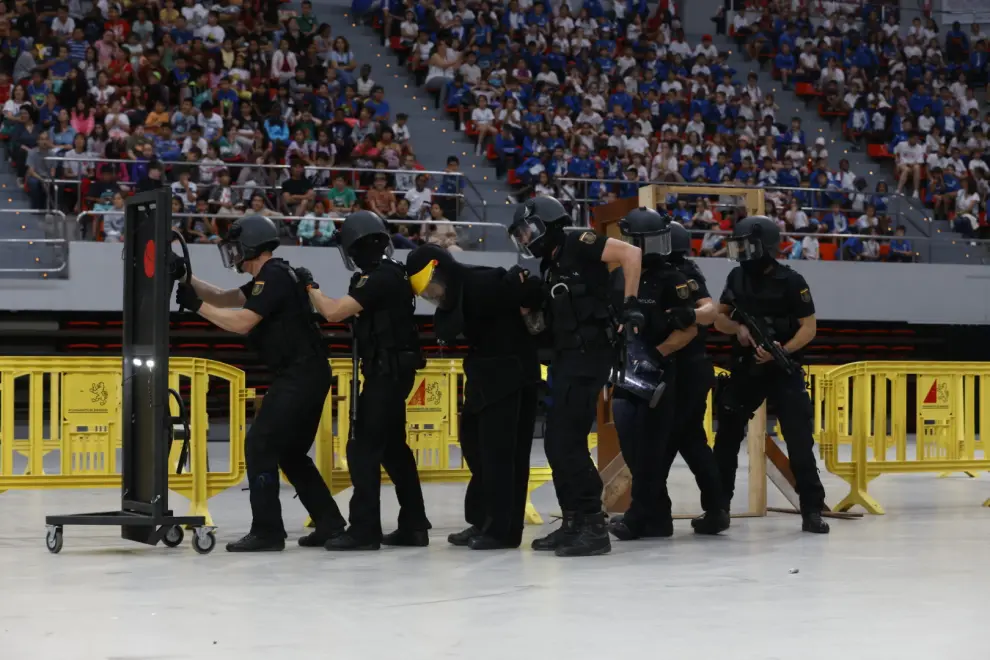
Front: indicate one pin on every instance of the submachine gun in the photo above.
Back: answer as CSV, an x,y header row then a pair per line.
x,y
762,336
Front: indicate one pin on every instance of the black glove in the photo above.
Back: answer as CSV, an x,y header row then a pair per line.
x,y
306,278
528,290
187,298
632,318
682,318
176,267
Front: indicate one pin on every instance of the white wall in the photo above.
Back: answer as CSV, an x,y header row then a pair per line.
x,y
843,291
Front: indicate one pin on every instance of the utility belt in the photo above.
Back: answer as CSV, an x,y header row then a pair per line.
x,y
392,362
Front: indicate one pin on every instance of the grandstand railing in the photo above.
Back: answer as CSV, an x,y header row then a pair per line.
x,y
465,241
470,204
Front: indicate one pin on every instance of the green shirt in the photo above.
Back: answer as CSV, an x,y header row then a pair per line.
x,y
305,23
342,199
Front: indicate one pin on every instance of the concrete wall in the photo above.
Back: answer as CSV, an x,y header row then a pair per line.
x,y
917,293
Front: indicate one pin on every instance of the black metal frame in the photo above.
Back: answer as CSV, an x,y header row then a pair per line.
x,y
144,516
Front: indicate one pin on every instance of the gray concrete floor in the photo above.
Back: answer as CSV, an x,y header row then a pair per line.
x,y
911,584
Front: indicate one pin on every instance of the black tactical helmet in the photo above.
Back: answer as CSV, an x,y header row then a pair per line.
x,y
248,238
535,219
680,239
363,240
754,238
649,229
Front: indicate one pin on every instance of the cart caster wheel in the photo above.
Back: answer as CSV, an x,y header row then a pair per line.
x,y
54,540
173,537
204,541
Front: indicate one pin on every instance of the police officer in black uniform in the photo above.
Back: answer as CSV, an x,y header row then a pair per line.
x,y
582,322
695,378
643,400
488,307
274,311
382,301
780,300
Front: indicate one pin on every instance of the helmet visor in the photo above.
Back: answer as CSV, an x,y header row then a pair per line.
x,y
743,248
348,262
231,253
526,232
659,244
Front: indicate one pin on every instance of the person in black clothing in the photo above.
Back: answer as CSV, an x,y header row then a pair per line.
x,y
581,321
273,310
695,378
381,299
779,299
153,178
488,306
643,406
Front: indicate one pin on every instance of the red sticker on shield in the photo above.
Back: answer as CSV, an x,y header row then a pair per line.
x,y
149,259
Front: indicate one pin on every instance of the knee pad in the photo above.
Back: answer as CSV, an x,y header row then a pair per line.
x,y
264,480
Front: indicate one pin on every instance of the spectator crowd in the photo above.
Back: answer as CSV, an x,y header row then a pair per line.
x,y
587,105
239,106
912,91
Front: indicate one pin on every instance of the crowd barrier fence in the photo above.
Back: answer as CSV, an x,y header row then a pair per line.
x,y
74,409
867,404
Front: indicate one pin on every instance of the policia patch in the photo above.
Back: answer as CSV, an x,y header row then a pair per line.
x,y
361,282
588,237
258,288
682,291
805,295
693,285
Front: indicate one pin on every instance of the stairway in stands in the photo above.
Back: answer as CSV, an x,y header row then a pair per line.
x,y
434,137
23,226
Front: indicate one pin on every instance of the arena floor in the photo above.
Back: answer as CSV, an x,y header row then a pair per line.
x,y
911,584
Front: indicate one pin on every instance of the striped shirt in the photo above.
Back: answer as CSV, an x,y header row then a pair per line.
x,y
77,49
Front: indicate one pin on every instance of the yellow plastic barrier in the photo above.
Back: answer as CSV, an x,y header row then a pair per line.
x,y
868,403
83,425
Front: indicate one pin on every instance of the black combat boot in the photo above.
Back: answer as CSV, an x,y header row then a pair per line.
x,y
407,538
318,538
711,522
486,542
346,541
462,537
591,539
556,538
813,523
254,543
625,528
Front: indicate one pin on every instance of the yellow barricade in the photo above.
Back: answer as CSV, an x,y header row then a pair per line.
x,y
868,403
81,421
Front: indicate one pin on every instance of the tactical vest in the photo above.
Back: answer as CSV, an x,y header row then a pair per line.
x,y
765,298
697,345
581,316
388,341
292,335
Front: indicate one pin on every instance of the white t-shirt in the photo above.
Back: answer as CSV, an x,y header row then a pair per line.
x,y
908,155
417,199
809,248
482,116
636,145
212,35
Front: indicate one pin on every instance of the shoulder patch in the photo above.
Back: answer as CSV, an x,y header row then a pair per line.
x,y
693,285
258,288
589,237
361,282
682,291
806,295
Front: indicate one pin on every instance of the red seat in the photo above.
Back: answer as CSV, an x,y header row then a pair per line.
x,y
696,246
806,89
513,179
470,129
827,251
878,151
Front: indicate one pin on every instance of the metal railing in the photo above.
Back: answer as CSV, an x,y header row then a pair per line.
x,y
468,239
54,247
470,202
